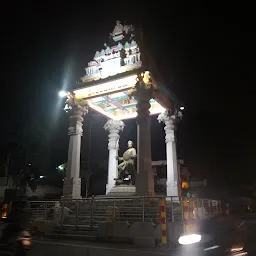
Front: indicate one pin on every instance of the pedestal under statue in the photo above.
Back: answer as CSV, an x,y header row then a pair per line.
x,y
126,169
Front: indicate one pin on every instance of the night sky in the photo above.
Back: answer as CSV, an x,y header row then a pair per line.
x,y
203,53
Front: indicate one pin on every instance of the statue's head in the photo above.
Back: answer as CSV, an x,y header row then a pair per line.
x,y
130,144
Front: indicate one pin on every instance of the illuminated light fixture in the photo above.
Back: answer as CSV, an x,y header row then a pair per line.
x,y
62,94
184,184
146,78
106,88
182,108
190,239
241,254
237,249
61,167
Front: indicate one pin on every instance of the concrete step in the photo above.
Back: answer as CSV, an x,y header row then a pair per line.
x,y
75,237
76,232
75,228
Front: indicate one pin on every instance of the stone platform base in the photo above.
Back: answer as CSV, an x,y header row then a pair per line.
x,y
122,191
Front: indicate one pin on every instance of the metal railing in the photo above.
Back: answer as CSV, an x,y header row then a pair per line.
x,y
92,211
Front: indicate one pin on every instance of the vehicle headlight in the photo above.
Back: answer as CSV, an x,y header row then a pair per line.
x,y
189,239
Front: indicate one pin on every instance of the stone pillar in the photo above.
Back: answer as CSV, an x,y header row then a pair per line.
x,y
172,188
145,179
72,182
114,127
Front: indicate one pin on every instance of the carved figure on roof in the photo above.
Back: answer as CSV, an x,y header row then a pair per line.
x,y
127,45
92,63
133,43
118,29
107,51
128,28
120,46
102,53
97,54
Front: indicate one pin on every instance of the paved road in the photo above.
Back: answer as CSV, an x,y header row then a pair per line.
x,y
46,247
251,241
71,248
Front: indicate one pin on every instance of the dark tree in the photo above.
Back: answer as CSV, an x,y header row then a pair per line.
x,y
28,146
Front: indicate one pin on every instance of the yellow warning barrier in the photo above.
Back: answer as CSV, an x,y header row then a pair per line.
x,y
189,216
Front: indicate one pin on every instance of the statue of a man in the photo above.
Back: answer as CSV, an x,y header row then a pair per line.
x,y
126,169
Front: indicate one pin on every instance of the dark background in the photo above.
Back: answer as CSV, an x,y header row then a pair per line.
x,y
203,53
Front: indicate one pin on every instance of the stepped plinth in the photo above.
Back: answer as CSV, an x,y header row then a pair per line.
x,y
122,191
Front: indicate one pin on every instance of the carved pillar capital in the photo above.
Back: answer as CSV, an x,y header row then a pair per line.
x,y
143,92
78,107
114,127
169,121
76,120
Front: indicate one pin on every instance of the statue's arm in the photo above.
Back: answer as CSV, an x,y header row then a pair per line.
x,y
134,154
119,158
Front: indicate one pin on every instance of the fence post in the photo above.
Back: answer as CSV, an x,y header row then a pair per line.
x,y
143,210
188,216
210,207
62,214
182,213
227,209
172,210
114,210
45,210
219,207
76,214
91,212
163,221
